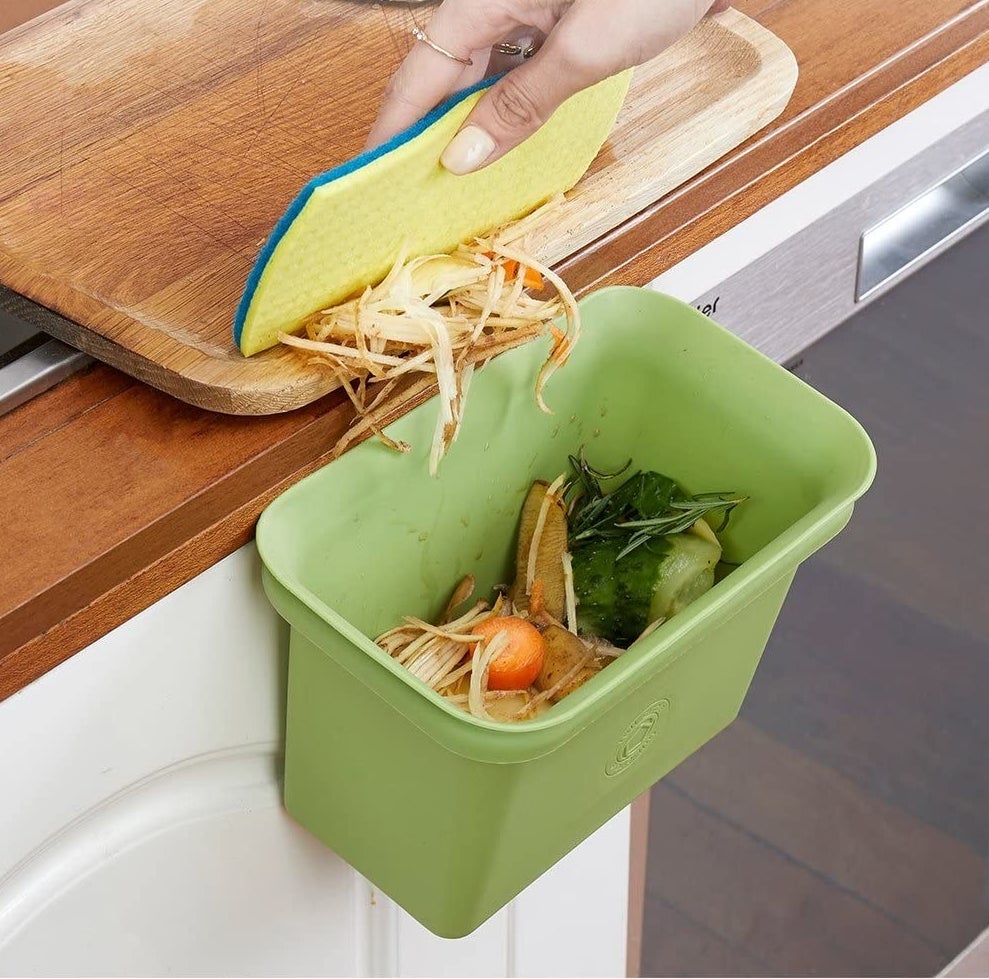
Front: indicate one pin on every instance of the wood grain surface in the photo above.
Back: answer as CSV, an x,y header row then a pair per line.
x,y
113,494
862,66
147,150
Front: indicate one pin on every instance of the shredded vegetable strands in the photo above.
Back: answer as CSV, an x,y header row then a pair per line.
x,y
438,630
431,659
356,398
442,662
569,593
440,315
396,634
372,419
537,534
453,677
565,343
416,648
478,613
338,349
483,655
434,654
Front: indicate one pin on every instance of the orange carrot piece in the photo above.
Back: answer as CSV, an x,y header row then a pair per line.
x,y
532,279
517,666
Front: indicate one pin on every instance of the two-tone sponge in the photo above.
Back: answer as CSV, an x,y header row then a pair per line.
x,y
346,227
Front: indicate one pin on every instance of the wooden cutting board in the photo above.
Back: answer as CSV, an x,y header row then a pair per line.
x,y
146,150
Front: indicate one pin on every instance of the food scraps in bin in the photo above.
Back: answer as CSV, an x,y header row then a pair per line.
x,y
442,315
594,572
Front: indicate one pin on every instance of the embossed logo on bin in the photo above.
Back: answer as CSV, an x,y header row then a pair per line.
x,y
637,737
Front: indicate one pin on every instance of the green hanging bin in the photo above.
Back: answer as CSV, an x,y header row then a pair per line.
x,y
452,816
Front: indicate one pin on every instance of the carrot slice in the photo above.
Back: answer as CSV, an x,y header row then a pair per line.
x,y
517,666
532,279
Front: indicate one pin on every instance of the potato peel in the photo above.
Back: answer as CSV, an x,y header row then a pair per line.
x,y
441,315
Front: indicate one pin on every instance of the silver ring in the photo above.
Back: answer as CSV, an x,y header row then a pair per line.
x,y
513,50
420,35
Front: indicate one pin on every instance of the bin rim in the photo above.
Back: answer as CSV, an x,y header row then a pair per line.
x,y
664,646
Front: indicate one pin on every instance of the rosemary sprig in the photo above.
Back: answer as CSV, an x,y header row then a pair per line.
x,y
688,515
587,503
646,506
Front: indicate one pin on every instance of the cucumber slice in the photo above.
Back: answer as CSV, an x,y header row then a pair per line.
x,y
618,599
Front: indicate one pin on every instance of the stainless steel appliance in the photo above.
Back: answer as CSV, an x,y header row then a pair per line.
x,y
31,362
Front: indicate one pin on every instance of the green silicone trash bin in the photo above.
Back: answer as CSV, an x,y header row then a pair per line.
x,y
452,816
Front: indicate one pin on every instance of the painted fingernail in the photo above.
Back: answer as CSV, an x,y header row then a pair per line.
x,y
467,150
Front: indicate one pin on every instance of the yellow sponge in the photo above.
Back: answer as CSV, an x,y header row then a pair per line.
x,y
346,227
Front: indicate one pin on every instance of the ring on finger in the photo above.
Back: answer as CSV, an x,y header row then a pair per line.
x,y
513,50
420,35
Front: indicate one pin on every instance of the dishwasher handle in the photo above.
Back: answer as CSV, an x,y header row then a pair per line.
x,y
923,228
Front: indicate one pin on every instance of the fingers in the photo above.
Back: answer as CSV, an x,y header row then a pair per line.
x,y
512,110
588,40
423,80
593,40
582,48
465,28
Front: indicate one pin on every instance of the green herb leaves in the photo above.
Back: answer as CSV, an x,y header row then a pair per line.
x,y
646,506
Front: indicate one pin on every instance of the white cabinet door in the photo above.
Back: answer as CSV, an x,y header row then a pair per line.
x,y
142,833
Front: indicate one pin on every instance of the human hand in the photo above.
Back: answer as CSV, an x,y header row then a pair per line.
x,y
582,42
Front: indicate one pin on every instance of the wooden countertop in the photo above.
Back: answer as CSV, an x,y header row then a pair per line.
x,y
114,494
